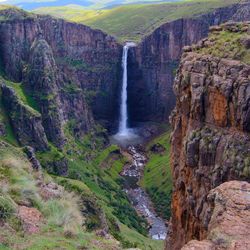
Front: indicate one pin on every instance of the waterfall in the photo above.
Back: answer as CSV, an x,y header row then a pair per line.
x,y
123,124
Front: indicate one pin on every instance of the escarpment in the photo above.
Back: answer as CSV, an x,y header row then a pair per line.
x,y
42,82
211,141
154,61
78,67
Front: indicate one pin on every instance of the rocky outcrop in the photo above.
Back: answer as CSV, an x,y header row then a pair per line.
x,y
30,152
84,65
41,81
27,123
31,219
153,63
229,226
210,139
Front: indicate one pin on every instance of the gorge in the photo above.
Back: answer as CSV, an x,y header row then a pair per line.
x,y
85,140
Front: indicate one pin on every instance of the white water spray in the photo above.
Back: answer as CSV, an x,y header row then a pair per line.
x,y
123,125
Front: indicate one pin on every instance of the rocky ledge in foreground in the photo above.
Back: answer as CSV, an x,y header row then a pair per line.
x,y
229,226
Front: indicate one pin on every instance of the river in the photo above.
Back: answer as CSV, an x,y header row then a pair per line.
x,y
138,197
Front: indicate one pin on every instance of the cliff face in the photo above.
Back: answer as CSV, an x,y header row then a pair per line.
x,y
77,66
26,122
210,140
153,63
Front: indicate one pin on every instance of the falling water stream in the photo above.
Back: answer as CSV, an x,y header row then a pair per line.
x,y
133,172
123,129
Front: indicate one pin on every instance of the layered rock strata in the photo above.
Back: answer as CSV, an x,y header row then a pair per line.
x,y
210,142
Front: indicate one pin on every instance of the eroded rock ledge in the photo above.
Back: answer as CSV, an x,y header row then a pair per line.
x,y
229,226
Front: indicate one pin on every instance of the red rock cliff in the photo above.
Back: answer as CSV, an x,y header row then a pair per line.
x,y
210,142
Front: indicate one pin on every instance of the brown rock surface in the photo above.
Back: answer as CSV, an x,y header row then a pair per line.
x,y
210,143
229,227
31,219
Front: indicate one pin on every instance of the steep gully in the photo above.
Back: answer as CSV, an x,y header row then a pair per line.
x,y
133,172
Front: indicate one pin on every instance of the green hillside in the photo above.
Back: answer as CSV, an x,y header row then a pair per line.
x,y
91,197
157,180
132,22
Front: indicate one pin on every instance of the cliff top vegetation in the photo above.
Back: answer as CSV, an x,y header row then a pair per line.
x,y
230,40
133,22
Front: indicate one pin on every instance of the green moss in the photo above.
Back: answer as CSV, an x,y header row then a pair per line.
x,y
77,64
47,158
72,89
26,99
4,119
73,185
104,154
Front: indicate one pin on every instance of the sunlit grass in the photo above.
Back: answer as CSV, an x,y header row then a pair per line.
x,y
133,22
157,179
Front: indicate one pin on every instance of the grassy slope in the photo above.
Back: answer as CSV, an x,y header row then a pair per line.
x,y
96,168
226,44
101,175
132,22
18,185
157,178
21,184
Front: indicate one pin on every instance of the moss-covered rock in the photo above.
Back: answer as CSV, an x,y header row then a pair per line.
x,y
26,122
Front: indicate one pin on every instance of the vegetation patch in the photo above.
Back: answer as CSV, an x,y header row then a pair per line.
x,y
63,221
133,22
157,179
9,135
228,44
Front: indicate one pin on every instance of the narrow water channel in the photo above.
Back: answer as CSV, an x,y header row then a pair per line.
x,y
138,197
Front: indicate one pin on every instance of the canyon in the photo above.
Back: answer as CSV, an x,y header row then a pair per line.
x,y
153,63
89,60
60,86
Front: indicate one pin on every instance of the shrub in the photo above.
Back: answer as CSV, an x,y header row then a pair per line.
x,y
65,213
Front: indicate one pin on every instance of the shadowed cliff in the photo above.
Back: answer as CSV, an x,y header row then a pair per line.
x,y
153,63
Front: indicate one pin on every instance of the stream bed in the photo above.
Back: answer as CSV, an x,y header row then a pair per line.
x,y
132,174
